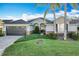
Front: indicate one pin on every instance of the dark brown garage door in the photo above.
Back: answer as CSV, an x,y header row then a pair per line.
x,y
15,30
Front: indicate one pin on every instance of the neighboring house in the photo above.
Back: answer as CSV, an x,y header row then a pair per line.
x,y
60,24
20,27
72,25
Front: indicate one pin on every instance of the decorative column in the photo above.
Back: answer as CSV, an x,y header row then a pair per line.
x,y
4,30
28,30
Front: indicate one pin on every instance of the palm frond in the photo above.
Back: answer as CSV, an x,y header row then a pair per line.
x,y
39,4
45,13
52,5
58,5
55,5
74,5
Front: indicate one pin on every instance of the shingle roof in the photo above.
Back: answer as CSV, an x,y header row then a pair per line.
x,y
19,22
74,21
24,22
7,21
15,22
48,21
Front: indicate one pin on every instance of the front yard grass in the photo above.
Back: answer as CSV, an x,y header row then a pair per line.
x,y
42,47
32,37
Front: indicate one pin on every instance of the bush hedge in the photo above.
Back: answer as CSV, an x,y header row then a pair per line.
x,y
36,30
1,34
73,35
43,32
52,36
37,36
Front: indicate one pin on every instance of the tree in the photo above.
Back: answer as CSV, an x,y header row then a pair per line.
x,y
36,30
65,17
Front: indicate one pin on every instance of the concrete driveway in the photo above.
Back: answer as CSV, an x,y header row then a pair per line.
x,y
6,41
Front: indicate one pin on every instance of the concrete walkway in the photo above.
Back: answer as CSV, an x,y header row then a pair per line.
x,y
6,41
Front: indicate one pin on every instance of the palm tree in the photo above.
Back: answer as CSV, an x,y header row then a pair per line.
x,y
52,7
65,17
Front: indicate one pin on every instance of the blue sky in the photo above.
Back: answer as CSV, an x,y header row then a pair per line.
x,y
18,9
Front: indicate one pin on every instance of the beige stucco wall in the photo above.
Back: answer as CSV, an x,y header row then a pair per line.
x,y
1,24
49,27
72,28
60,22
61,28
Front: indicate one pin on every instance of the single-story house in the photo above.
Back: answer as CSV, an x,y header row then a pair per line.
x,y
20,27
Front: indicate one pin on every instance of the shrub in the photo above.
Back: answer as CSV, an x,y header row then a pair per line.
x,y
43,31
77,36
73,35
36,30
52,35
1,34
32,37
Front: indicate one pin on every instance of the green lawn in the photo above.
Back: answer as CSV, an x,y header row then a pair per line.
x,y
42,47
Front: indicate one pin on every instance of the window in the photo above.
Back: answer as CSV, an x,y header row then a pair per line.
x,y
78,28
56,27
67,27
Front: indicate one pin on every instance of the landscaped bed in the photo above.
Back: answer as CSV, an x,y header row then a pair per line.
x,y
42,46
1,34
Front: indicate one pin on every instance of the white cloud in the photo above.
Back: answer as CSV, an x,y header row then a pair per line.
x,y
74,11
9,17
72,14
31,16
26,17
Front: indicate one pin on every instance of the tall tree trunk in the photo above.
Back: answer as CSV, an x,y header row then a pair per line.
x,y
45,25
54,19
65,16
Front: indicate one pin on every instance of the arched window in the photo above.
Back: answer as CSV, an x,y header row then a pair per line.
x,y
36,24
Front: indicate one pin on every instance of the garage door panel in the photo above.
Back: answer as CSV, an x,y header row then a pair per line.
x,y
15,30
